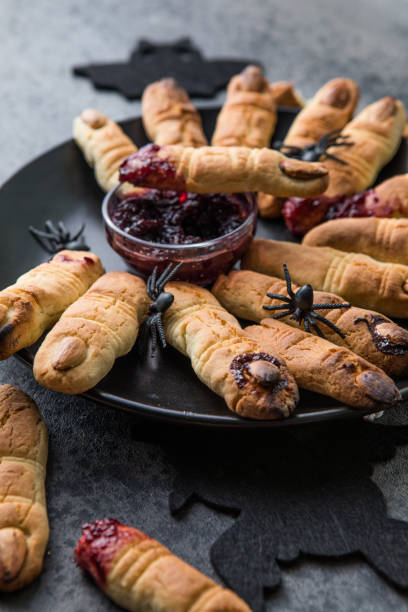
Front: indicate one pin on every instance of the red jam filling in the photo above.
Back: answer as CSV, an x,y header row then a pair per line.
x,y
60,257
301,214
147,168
171,217
99,543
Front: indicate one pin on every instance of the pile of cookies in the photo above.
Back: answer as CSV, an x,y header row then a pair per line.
x,y
95,317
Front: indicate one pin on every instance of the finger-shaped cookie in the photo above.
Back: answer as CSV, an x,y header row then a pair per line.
x,y
254,383
142,575
382,239
104,145
23,513
285,94
375,134
169,117
39,297
359,279
395,191
366,332
270,206
330,109
322,367
92,333
248,116
222,170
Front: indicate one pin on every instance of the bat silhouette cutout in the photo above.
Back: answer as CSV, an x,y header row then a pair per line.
x,y
151,61
292,494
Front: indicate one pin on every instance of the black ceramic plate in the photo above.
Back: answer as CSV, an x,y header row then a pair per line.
x,y
60,186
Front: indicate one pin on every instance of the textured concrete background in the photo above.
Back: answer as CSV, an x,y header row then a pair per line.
x,y
97,467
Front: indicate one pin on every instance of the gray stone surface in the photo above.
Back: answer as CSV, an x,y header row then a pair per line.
x,y
96,465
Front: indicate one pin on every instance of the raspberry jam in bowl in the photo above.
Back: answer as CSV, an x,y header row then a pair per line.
x,y
208,233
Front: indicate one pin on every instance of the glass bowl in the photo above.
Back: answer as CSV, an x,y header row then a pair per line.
x,y
202,261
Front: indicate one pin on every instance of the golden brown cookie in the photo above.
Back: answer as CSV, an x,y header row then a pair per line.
x,y
104,145
369,334
254,383
39,297
359,279
92,333
222,170
248,116
23,513
376,134
169,117
395,192
322,367
142,575
285,94
382,239
330,109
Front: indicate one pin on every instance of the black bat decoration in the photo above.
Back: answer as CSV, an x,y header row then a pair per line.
x,y
151,61
291,494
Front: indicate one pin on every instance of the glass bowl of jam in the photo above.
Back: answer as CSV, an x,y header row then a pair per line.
x,y
209,233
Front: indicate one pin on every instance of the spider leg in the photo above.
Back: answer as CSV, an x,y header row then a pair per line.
x,y
288,150
332,326
50,227
43,242
79,232
331,135
38,232
288,281
292,149
63,232
282,314
278,296
160,329
151,282
337,159
307,326
153,330
316,328
326,139
340,144
161,278
331,306
168,276
280,307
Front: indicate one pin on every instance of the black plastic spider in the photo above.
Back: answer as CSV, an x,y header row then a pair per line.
x,y
318,150
300,306
162,300
56,239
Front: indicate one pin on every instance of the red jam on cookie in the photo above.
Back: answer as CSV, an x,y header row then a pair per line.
x,y
99,544
301,214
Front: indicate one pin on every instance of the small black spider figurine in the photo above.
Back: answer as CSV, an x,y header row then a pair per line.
x,y
318,150
161,302
57,238
300,306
